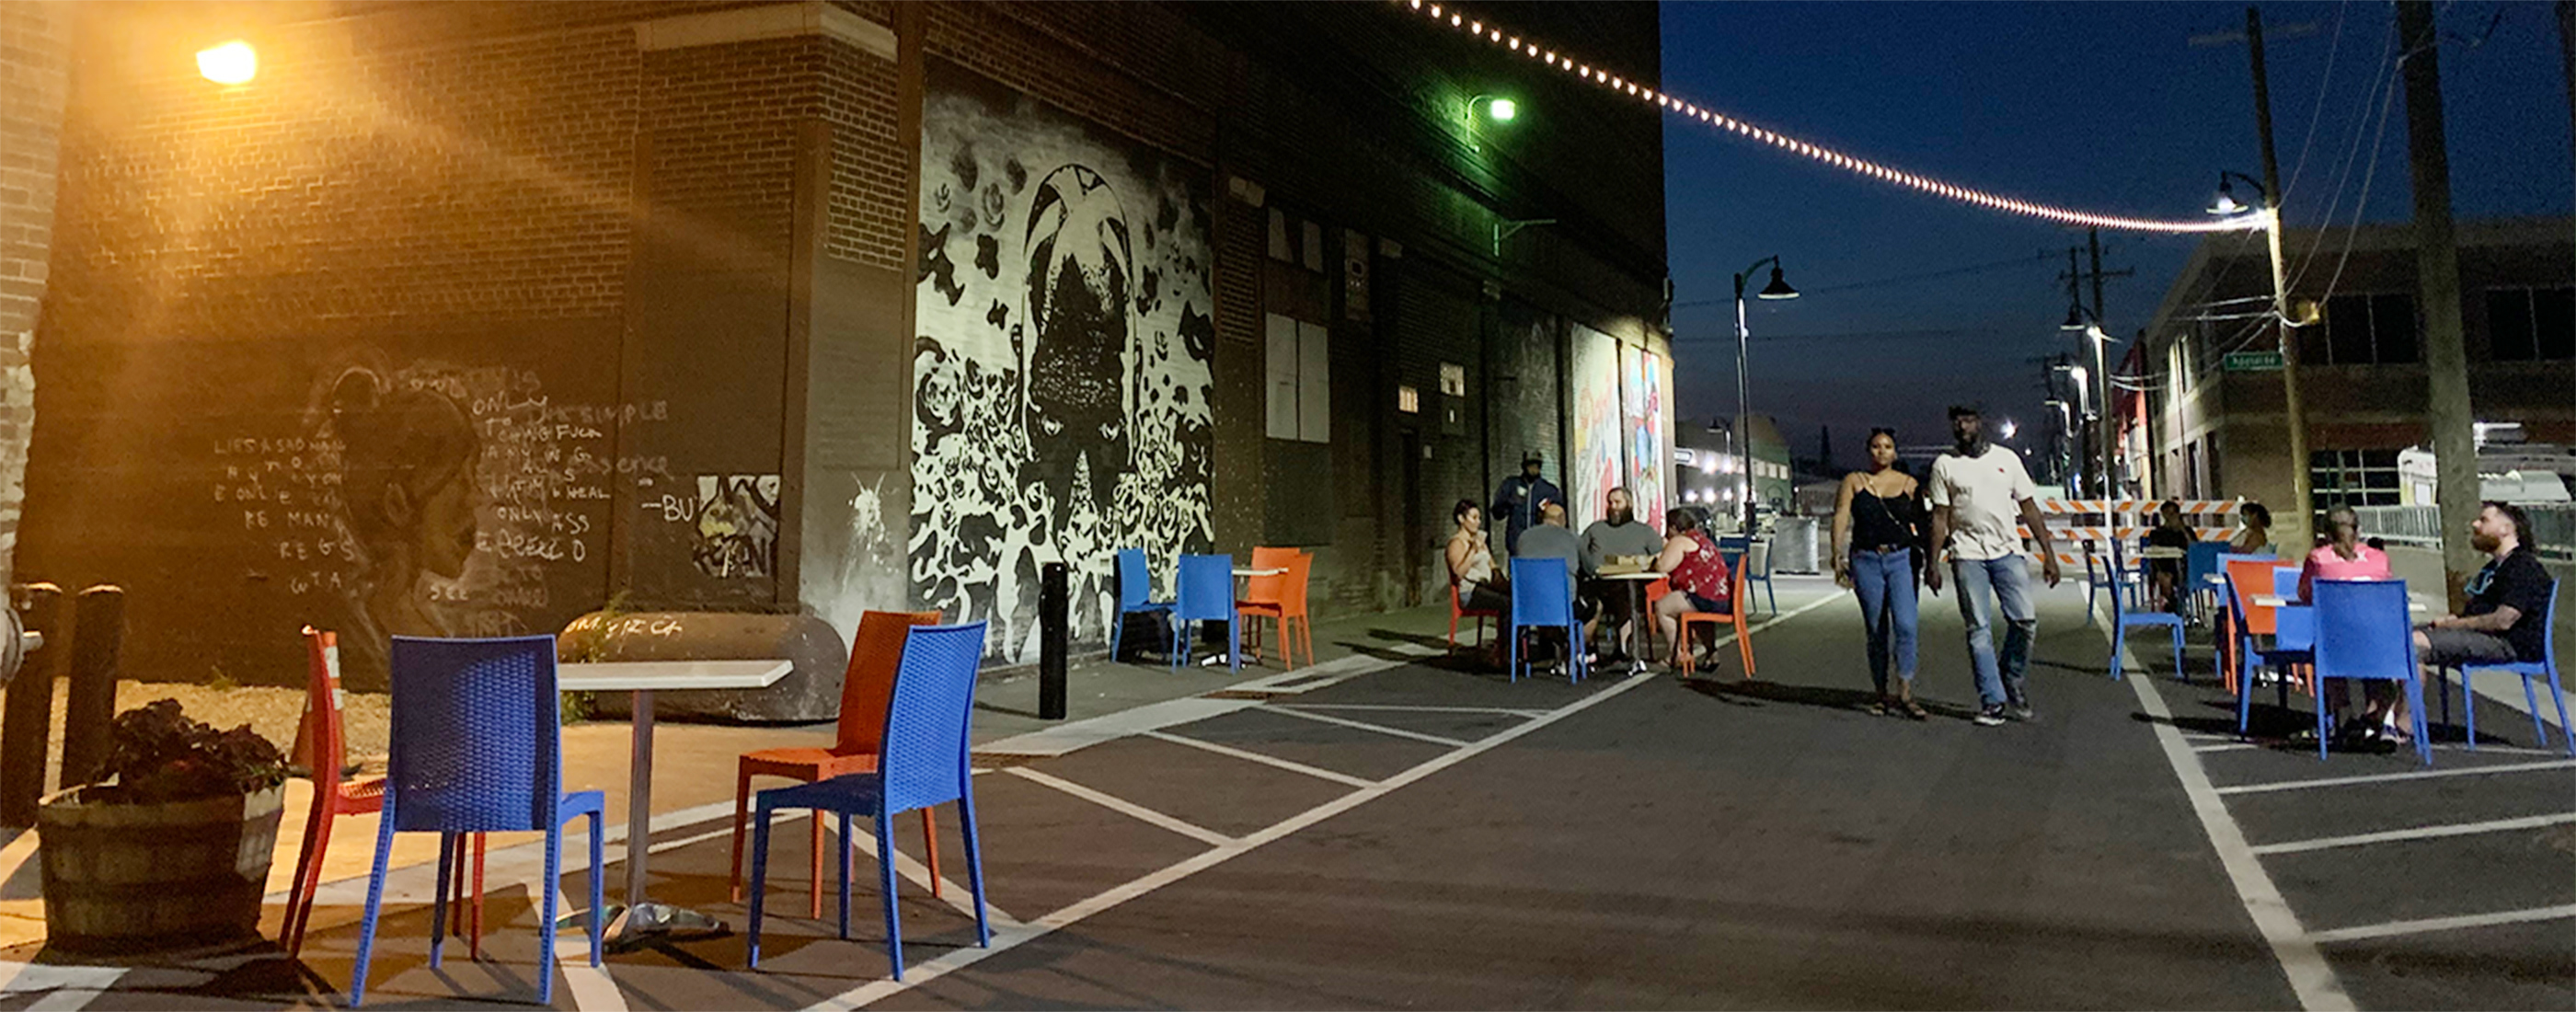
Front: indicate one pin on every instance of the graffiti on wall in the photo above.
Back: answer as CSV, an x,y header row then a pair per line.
x,y
1596,468
1061,366
1642,396
735,520
430,499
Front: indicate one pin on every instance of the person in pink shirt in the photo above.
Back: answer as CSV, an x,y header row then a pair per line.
x,y
2343,556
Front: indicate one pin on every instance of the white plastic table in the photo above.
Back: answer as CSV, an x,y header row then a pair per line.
x,y
643,678
1240,573
2271,601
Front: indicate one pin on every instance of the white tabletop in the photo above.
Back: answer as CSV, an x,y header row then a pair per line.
x,y
632,676
1258,572
2269,601
1645,575
2164,553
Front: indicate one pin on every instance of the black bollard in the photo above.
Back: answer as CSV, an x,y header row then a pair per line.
x,y
98,635
27,718
1053,604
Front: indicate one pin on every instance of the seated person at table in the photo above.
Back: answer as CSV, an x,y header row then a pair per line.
x,y
2342,557
2163,574
2507,618
1471,565
1618,534
1697,572
2257,534
1550,540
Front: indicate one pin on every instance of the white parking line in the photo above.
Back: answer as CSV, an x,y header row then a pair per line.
x,y
1365,726
58,988
1266,760
2381,778
1404,708
2418,833
2310,976
2395,928
593,990
1123,806
2229,747
956,896
957,959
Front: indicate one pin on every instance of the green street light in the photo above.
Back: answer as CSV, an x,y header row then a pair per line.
x,y
1502,110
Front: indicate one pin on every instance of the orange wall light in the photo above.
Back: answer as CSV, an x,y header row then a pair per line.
x,y
231,63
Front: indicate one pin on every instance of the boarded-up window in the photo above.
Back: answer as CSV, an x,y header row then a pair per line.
x,y
1299,400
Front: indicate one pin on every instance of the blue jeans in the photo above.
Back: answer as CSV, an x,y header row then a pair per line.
x,y
1983,584
1885,583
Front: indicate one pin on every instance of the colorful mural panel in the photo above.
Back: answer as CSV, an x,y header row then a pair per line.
x,y
1644,425
1595,385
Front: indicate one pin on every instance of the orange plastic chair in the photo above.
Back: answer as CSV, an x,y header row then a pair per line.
x,y
875,652
1458,609
324,748
1283,598
2251,579
1734,614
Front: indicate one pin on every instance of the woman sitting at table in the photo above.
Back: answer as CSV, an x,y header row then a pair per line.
x,y
1471,567
2257,534
2342,557
1697,573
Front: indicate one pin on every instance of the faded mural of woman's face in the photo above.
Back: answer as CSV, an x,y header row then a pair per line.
x,y
444,536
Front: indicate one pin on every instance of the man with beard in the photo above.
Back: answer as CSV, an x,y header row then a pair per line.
x,y
1976,490
2507,618
1617,534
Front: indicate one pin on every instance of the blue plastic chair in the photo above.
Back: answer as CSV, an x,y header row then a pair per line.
x,y
2123,618
2285,583
1135,594
2199,564
477,748
2098,578
1205,591
1542,598
923,760
2545,667
1761,575
2363,631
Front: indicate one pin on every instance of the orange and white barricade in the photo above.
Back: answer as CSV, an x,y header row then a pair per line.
x,y
2075,524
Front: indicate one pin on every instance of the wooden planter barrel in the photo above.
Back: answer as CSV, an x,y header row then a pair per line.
x,y
123,877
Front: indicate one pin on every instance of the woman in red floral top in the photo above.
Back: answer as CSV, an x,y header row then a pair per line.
x,y
1696,571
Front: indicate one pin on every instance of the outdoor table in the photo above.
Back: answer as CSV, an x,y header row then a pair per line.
x,y
2271,601
1240,573
1637,582
639,917
2161,552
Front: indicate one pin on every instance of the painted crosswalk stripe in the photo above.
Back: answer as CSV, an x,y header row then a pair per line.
x,y
2382,778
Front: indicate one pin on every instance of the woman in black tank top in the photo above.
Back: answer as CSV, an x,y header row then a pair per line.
x,y
1878,536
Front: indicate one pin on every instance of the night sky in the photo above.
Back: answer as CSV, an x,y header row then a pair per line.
x,y
2105,107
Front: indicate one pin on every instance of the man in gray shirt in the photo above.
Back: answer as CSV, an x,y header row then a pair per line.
x,y
1550,540
1618,534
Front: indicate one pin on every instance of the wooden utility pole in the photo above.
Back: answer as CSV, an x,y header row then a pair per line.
x,y
2300,518
2110,435
2437,284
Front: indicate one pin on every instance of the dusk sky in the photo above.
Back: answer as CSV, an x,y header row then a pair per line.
x,y
2106,107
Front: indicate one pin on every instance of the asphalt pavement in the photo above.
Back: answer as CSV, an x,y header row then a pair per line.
x,y
1401,829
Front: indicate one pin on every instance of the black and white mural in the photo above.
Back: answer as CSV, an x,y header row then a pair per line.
x,y
1060,368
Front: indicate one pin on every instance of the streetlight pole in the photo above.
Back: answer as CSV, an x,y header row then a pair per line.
x,y
2302,497
2081,319
1777,289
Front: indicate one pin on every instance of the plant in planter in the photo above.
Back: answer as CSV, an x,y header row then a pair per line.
x,y
172,847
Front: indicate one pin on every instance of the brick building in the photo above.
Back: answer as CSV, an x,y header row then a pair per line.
x,y
469,318
2210,423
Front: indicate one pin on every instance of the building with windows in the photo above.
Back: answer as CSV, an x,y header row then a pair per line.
x,y
1709,468
471,317
2205,419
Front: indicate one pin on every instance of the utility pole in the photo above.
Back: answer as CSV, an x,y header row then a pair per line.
x,y
2102,367
2437,280
2301,516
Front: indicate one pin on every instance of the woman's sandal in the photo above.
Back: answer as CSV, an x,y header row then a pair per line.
x,y
1878,707
1914,709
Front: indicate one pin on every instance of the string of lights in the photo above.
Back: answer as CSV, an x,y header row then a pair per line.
x,y
1497,35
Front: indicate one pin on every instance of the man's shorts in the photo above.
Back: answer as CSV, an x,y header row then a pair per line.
x,y
2453,647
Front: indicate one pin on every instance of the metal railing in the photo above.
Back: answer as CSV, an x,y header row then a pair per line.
x,y
2553,526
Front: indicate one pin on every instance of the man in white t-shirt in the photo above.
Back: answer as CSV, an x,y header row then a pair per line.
x,y
1979,492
